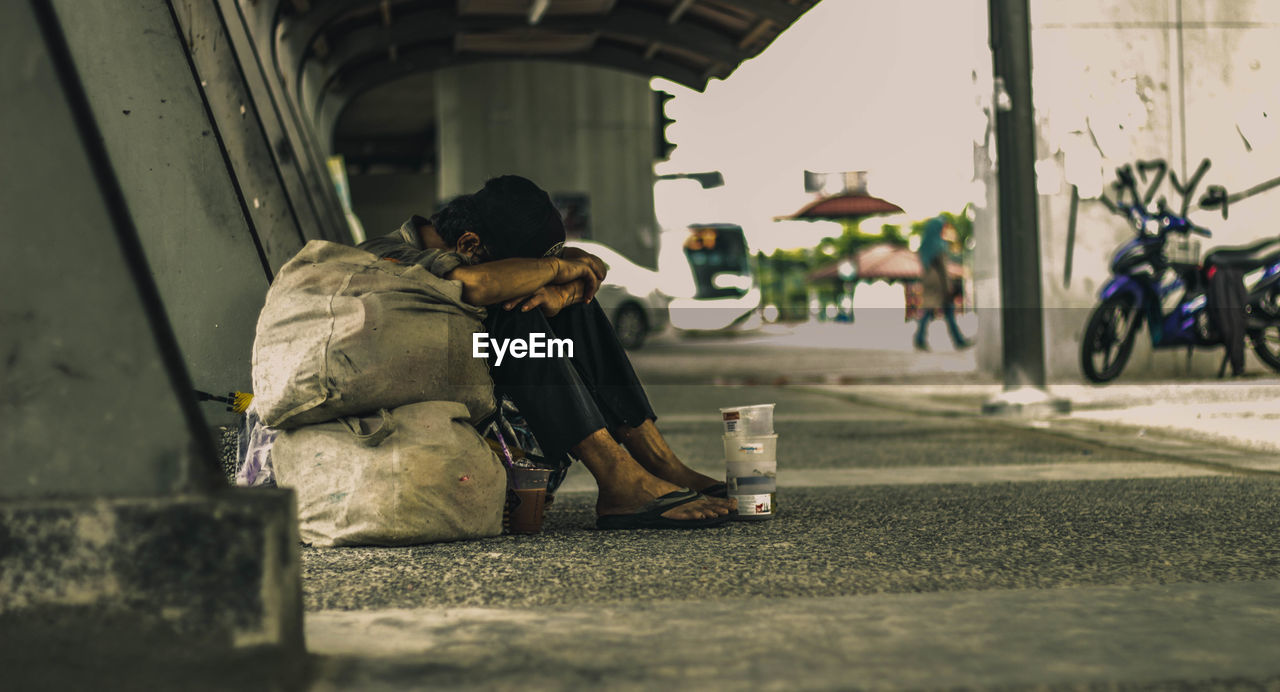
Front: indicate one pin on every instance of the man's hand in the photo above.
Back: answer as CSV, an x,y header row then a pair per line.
x,y
598,267
501,281
569,271
551,299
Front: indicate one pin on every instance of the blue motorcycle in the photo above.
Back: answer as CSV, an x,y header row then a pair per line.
x,y
1145,280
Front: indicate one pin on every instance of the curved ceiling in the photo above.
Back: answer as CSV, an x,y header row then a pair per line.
x,y
329,53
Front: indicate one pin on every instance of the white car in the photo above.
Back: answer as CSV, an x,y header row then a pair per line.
x,y
631,295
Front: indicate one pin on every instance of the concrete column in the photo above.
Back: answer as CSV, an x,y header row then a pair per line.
x,y
270,192
123,563
569,128
383,201
1021,325
296,140
192,220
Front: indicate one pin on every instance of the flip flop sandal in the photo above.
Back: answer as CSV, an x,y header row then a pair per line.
x,y
650,516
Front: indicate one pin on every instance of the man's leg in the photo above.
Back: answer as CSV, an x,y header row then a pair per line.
x,y
548,391
563,413
650,448
604,366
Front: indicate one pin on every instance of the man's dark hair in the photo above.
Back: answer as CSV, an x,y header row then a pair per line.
x,y
458,217
516,218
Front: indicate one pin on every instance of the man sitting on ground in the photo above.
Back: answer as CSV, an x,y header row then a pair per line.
x,y
505,245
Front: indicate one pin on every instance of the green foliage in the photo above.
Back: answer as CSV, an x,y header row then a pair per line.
x,y
783,275
960,221
783,281
854,238
893,234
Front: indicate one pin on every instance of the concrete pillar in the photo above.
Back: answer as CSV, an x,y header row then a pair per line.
x,y
123,562
267,176
299,147
180,192
572,129
383,201
1021,325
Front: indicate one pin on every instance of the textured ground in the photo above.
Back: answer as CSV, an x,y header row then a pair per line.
x,y
910,551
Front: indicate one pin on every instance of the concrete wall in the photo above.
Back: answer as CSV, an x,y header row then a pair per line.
x,y
87,388
125,563
220,191
569,128
179,190
299,146
271,194
1174,79
384,201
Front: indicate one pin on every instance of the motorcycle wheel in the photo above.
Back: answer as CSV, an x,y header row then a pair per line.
x,y
1266,341
631,326
1108,339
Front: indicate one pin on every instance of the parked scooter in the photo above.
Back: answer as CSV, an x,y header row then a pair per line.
x,y
1145,279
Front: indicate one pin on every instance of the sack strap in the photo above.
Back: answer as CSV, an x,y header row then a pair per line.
x,y
374,437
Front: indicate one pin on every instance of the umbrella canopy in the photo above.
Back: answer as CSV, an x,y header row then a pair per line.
x,y
883,261
846,205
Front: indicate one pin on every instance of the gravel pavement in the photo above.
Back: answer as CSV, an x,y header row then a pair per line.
x,y
917,546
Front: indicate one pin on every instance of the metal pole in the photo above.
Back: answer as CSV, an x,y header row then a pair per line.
x,y
1021,318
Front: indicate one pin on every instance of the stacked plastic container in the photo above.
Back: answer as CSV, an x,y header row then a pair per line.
x,y
751,460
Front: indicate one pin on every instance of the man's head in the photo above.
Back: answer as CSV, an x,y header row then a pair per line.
x,y
509,217
457,227
518,219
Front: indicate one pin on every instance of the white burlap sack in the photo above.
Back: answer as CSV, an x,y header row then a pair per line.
x,y
343,333
417,474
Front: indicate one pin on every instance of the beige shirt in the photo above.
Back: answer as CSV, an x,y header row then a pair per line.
x,y
405,245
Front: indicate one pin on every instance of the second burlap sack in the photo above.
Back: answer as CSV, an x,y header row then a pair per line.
x,y
415,474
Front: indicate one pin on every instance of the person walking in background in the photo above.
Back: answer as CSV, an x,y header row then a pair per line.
x,y
938,293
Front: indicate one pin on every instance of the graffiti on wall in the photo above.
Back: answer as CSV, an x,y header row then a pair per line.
x,y
1151,175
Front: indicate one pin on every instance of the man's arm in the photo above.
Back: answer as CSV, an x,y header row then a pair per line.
x,y
552,298
502,280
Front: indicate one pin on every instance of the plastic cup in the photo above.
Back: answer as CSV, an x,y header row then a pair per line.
x,y
750,447
526,499
754,484
748,420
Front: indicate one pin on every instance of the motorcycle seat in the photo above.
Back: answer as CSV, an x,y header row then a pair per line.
x,y
1245,257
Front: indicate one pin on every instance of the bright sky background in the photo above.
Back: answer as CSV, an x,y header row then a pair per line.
x,y
879,85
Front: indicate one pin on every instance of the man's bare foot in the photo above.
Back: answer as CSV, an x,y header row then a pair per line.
x,y
626,487
650,449
633,500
